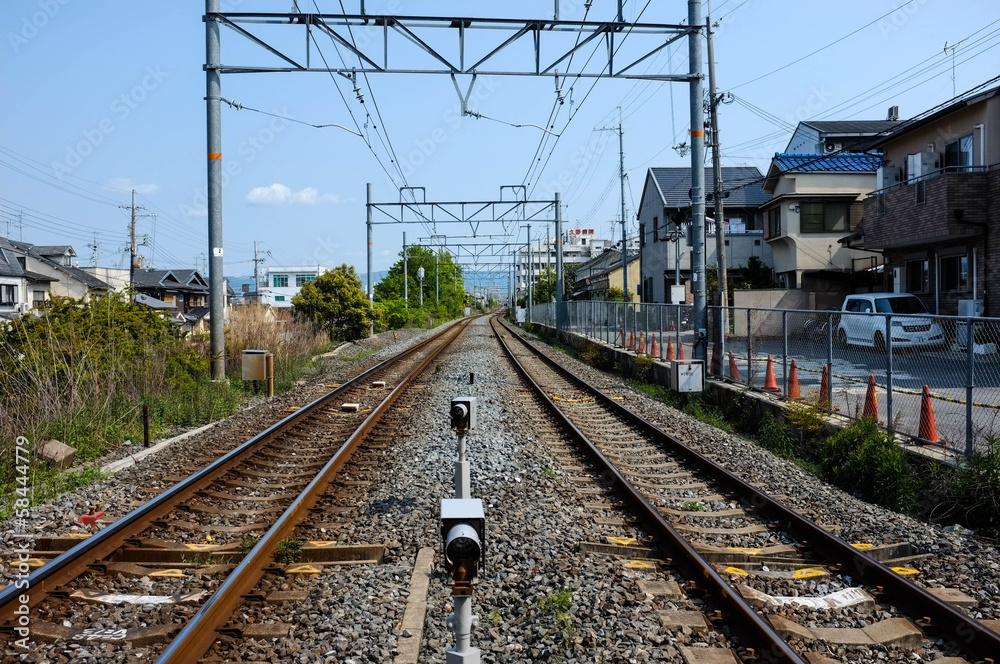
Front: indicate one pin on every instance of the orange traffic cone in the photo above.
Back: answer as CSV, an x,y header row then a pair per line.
x,y
734,372
871,400
631,341
670,349
770,383
642,344
656,348
824,388
928,427
680,351
793,382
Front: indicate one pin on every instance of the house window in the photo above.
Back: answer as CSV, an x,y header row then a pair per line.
x,y
279,298
656,229
917,276
955,273
774,222
958,154
825,217
280,281
642,235
879,203
8,294
920,192
302,279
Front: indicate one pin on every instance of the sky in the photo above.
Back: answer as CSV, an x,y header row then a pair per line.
x,y
100,97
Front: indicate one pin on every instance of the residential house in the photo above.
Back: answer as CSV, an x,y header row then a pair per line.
x,y
56,262
936,211
830,136
183,290
21,290
664,248
816,200
600,274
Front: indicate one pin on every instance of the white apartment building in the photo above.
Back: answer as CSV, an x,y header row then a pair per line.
x,y
282,283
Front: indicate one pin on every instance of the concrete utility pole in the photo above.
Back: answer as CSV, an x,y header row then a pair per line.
x,y
133,257
697,179
721,325
213,98
560,314
621,173
257,260
96,253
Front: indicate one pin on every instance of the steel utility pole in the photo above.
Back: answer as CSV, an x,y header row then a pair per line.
x,y
371,296
621,174
697,180
406,277
721,324
213,99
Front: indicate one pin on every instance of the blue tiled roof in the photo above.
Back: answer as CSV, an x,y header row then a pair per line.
x,y
844,162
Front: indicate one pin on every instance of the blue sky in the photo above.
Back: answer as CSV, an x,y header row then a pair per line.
x,y
103,96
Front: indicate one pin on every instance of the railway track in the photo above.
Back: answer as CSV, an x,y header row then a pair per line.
x,y
173,570
755,561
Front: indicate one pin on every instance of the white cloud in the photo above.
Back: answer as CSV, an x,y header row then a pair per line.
x,y
124,183
279,194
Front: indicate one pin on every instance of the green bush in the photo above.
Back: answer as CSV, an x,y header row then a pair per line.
x,y
865,461
773,436
643,370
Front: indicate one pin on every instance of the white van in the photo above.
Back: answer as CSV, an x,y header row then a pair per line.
x,y
862,325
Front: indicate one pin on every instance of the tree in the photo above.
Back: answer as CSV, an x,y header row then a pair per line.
x,y
446,303
335,302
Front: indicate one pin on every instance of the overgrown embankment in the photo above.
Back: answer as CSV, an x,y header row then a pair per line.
x,y
80,372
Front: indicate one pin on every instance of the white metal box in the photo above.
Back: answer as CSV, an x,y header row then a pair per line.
x,y
687,376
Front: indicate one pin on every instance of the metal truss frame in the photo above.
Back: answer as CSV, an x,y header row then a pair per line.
x,y
379,31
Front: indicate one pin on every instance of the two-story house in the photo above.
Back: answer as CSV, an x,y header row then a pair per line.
x,y
183,290
282,283
56,263
593,279
816,200
666,199
831,136
20,290
936,211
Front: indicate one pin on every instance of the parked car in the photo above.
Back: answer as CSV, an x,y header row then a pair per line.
x,y
861,325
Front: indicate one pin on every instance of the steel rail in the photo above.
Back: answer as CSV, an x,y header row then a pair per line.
x,y
197,637
74,562
965,633
756,632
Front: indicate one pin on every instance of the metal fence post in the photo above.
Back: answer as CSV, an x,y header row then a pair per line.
x,y
659,355
888,372
749,380
784,352
970,378
677,309
829,356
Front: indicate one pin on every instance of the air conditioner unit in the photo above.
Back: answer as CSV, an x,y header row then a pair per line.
x,y
887,176
972,308
832,146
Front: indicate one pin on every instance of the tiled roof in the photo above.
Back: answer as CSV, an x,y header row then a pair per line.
x,y
53,249
844,162
675,186
851,127
169,279
9,267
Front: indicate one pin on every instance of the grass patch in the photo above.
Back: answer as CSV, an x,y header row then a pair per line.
x,y
710,415
559,604
46,483
289,551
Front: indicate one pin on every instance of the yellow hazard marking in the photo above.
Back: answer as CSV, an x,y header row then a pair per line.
x,y
333,386
806,573
905,571
640,564
624,541
321,543
201,547
175,573
35,562
618,398
555,398
303,568
749,552
737,571
861,545
80,535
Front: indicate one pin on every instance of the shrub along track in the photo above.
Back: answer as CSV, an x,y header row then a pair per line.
x,y
154,566
731,551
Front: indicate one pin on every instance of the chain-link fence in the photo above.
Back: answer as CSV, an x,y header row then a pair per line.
x,y
933,378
